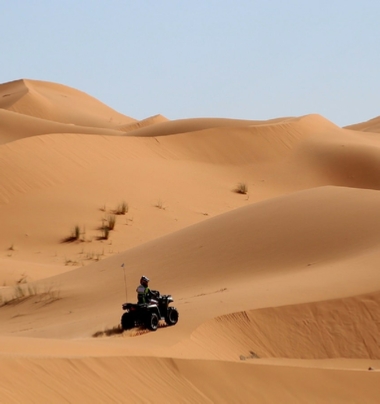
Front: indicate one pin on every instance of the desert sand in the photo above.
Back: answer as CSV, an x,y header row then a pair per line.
x,y
266,233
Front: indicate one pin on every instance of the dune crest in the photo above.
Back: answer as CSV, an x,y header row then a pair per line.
x,y
56,102
340,328
152,120
372,125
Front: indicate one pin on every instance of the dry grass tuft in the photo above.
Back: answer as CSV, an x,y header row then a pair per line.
x,y
160,205
75,235
111,221
122,209
242,188
23,291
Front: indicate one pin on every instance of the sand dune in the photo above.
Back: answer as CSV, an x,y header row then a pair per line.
x,y
55,102
372,125
78,380
206,261
277,289
14,126
188,125
152,120
339,328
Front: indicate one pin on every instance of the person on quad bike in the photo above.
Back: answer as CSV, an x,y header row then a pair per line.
x,y
144,294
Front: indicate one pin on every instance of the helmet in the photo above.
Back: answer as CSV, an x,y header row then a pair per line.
x,y
144,280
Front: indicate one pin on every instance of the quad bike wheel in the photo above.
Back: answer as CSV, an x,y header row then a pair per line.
x,y
152,321
171,316
127,321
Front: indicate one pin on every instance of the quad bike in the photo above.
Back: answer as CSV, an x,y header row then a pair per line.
x,y
149,314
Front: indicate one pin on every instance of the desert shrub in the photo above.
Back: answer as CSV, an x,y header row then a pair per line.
x,y
242,188
122,209
160,204
76,232
105,232
111,221
75,235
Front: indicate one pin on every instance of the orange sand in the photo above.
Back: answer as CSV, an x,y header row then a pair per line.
x,y
277,289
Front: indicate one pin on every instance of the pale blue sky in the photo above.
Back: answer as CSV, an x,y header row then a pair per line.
x,y
186,59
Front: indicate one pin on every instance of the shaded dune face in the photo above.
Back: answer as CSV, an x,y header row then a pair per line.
x,y
340,328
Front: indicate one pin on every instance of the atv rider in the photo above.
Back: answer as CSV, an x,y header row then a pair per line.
x,y
144,294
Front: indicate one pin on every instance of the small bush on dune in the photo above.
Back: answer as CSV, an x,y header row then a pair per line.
x,y
111,221
160,204
242,188
75,235
105,232
107,226
76,232
122,209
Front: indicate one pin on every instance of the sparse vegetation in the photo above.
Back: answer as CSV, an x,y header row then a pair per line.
x,y
107,225
69,261
22,291
111,221
76,232
242,188
105,232
94,256
160,204
122,209
75,235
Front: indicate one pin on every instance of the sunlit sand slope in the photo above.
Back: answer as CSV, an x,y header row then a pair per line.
x,y
125,380
56,102
372,125
14,126
289,244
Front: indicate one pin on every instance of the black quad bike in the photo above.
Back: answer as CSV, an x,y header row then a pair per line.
x,y
149,314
